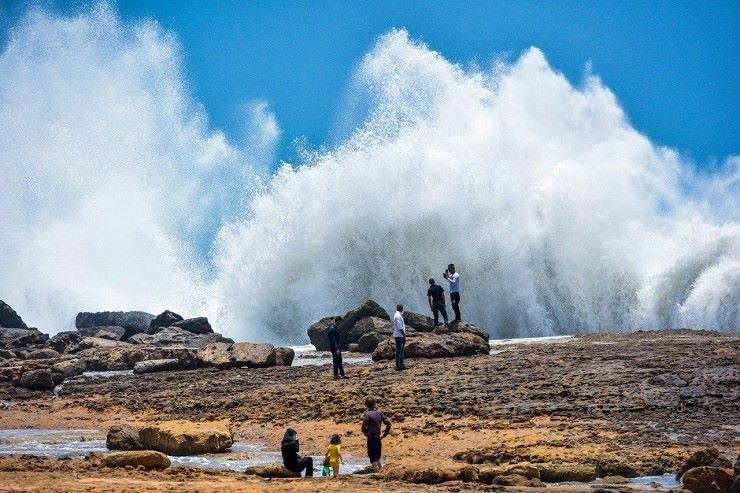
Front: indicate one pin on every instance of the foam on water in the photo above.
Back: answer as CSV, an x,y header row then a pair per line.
x,y
560,216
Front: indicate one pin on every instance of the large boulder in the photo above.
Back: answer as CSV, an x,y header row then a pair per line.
x,y
134,322
125,358
187,437
462,327
115,332
252,355
317,333
369,325
164,319
216,354
706,479
709,456
157,365
65,340
368,309
41,379
284,356
431,345
18,338
417,321
198,325
148,459
9,317
45,353
176,336
122,437
369,342
271,471
69,368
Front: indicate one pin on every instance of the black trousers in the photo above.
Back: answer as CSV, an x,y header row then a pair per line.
x,y
336,361
305,462
400,349
455,297
438,308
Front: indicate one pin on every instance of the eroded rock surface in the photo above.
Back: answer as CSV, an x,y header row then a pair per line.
x,y
187,438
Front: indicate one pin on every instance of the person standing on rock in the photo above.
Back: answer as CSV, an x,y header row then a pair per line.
x,y
436,297
371,421
454,279
335,346
291,460
399,334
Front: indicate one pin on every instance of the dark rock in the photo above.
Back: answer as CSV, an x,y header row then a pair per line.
x,y
368,309
252,355
164,319
706,457
176,336
9,318
432,345
368,325
353,348
134,322
46,353
70,368
10,374
20,338
417,321
7,354
317,333
96,343
65,340
369,342
735,488
462,327
122,437
706,479
157,365
113,333
284,356
94,331
37,380
198,325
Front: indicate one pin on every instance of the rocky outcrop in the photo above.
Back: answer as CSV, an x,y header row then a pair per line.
x,y
284,356
9,317
155,365
21,338
63,340
124,358
252,355
216,355
368,309
419,322
369,342
317,333
148,459
369,325
69,368
706,479
706,457
198,325
95,343
164,319
441,343
122,437
37,379
46,353
176,336
114,332
134,322
271,471
186,437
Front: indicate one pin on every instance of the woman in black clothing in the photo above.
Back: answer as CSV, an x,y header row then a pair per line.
x,y
291,460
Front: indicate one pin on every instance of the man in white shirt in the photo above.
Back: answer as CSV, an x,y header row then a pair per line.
x,y
399,334
454,280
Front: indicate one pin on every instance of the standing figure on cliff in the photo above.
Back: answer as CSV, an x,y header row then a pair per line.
x,y
399,334
291,460
371,422
335,346
436,297
454,280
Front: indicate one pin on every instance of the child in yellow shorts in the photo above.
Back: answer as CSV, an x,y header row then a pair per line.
x,y
334,453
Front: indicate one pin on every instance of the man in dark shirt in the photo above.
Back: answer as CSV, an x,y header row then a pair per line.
x,y
371,422
335,346
436,297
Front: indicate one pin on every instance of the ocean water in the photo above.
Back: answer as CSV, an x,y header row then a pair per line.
x,y
560,216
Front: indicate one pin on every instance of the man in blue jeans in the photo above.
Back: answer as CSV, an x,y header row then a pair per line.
x,y
399,334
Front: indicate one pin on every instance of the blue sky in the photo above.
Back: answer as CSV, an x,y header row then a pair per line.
x,y
673,65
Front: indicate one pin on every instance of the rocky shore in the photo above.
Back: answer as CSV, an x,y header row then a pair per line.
x,y
527,417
